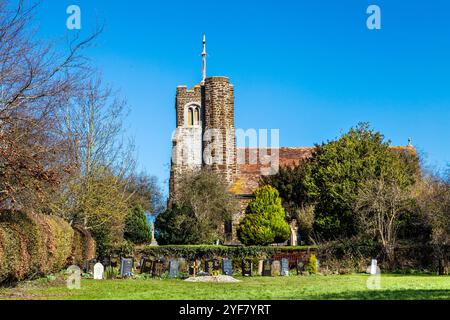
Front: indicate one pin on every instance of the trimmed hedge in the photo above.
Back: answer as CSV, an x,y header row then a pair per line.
x,y
209,251
33,245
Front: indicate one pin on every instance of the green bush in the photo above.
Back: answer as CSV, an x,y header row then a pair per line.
x,y
137,229
176,226
313,264
34,245
111,273
265,221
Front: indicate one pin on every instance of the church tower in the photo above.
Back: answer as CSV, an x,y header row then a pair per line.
x,y
205,133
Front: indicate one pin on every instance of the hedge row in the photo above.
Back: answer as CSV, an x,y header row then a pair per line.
x,y
352,256
209,252
34,245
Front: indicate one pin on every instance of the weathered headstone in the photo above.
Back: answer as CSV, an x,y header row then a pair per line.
x,y
173,268
115,260
299,267
106,261
89,266
158,268
146,265
247,266
260,267
126,267
183,267
284,267
276,268
98,271
373,267
227,267
267,269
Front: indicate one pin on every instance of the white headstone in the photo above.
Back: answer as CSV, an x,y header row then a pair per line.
x,y
373,267
98,271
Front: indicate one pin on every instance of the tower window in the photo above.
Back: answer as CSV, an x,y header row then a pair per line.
x,y
190,117
197,116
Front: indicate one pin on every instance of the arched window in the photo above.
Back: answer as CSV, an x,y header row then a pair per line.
x,y
197,116
190,117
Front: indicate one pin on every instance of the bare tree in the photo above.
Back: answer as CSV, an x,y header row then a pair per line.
x,y
94,128
35,80
380,205
433,198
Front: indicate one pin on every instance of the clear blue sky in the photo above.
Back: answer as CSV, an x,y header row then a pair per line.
x,y
310,68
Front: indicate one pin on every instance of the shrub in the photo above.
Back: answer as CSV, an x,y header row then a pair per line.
x,y
137,229
265,221
177,226
111,273
313,264
34,245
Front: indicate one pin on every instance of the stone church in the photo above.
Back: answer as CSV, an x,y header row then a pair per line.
x,y
209,106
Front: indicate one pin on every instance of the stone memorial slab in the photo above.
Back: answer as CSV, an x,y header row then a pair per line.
x,y
299,267
115,260
227,267
158,268
173,268
247,266
98,271
89,266
126,267
284,267
260,267
146,265
373,267
276,268
267,269
106,261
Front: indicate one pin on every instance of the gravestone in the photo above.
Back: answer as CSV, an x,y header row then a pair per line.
x,y
373,267
260,267
126,267
106,261
227,267
299,267
183,266
173,268
193,268
247,266
284,267
115,260
146,265
158,268
89,266
276,268
267,269
98,271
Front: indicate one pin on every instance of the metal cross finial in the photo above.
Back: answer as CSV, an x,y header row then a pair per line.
x,y
204,59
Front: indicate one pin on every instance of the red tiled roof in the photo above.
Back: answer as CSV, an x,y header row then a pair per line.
x,y
250,173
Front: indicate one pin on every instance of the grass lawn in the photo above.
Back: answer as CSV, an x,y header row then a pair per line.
x,y
305,287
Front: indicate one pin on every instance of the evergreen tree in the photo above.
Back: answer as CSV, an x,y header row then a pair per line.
x,y
265,221
137,229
